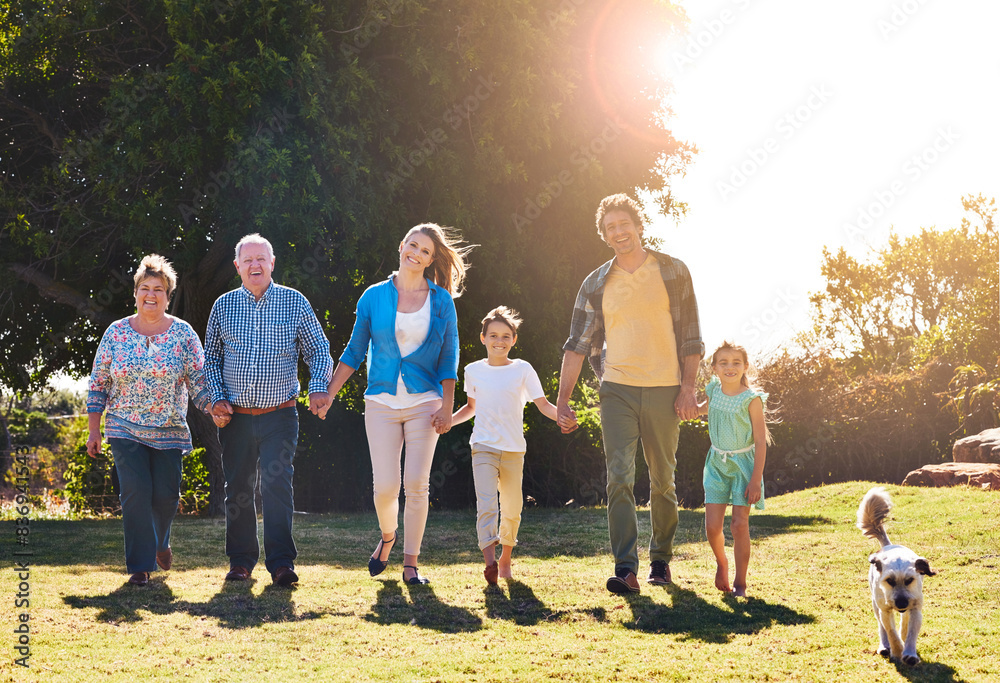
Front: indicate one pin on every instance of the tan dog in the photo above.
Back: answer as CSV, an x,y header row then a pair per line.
x,y
896,579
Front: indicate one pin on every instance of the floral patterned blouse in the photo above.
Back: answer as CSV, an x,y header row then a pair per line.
x,y
144,382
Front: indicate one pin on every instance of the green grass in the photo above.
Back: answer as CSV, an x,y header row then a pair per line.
x,y
809,617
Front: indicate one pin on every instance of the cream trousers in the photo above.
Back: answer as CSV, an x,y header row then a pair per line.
x,y
388,430
497,475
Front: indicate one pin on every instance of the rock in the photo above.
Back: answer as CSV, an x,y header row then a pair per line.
x,y
981,447
981,475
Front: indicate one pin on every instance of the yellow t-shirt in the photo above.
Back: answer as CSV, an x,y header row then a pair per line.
x,y
641,348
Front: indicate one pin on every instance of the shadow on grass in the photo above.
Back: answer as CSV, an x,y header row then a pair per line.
x,y
423,609
928,671
696,619
234,606
582,533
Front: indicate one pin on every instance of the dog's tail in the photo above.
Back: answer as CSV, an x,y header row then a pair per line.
x,y
872,513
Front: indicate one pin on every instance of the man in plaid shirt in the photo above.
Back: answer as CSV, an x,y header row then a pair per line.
x,y
636,319
252,345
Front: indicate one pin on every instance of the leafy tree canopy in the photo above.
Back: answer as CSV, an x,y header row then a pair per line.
x,y
934,294
130,127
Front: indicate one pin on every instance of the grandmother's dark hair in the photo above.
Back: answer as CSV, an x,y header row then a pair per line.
x,y
155,265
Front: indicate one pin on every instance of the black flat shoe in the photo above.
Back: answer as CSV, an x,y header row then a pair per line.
x,y
375,565
417,580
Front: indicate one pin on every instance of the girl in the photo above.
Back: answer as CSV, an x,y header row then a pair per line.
x,y
408,329
734,467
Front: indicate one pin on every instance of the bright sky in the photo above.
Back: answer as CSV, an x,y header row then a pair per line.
x,y
822,124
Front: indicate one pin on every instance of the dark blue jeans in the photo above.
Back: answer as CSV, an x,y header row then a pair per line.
x,y
269,439
150,484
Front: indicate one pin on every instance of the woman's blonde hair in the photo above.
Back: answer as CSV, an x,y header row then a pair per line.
x,y
450,262
155,265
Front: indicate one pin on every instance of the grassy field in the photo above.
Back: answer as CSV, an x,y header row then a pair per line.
x,y
808,618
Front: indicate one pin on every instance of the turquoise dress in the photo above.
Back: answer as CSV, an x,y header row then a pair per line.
x,y
729,465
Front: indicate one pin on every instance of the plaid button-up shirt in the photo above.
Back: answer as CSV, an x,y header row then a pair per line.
x,y
252,347
587,333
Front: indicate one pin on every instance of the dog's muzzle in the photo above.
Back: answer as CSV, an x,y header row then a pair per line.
x,y
901,604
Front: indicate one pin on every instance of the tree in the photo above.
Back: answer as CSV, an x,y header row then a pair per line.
x,y
931,294
132,126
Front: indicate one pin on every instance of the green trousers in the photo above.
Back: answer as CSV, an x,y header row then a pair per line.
x,y
628,415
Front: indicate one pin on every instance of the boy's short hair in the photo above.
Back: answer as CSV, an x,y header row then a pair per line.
x,y
502,314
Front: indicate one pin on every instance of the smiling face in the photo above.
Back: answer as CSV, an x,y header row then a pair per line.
x,y
416,252
621,233
498,339
730,366
255,265
151,298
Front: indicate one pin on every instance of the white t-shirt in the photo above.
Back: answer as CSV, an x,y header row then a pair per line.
x,y
501,392
411,331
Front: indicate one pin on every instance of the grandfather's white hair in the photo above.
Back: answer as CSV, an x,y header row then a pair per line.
x,y
254,238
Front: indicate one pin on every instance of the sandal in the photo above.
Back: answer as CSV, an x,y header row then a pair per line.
x,y
375,565
417,580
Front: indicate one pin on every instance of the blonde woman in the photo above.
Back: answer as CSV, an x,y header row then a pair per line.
x,y
408,329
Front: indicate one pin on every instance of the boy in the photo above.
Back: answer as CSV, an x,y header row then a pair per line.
x,y
498,388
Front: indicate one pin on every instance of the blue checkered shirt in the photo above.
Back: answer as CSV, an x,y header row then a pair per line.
x,y
587,333
252,347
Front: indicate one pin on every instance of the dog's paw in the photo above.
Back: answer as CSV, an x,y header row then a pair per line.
x,y
911,660
884,651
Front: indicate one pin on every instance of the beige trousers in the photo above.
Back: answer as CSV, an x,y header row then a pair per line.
x,y
388,430
497,475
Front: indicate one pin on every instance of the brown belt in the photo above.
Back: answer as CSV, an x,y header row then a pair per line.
x,y
261,411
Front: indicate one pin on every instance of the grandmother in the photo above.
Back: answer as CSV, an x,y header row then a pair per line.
x,y
146,367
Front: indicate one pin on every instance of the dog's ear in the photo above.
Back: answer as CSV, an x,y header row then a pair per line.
x,y
924,567
875,560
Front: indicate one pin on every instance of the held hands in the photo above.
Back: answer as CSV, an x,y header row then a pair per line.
x,y
441,420
566,418
686,405
222,413
319,403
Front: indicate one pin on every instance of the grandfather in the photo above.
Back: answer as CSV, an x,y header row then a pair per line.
x,y
637,319
252,345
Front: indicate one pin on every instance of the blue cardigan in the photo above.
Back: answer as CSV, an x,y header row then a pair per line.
x,y
374,335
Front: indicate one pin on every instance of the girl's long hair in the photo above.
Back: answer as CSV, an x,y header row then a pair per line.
x,y
450,262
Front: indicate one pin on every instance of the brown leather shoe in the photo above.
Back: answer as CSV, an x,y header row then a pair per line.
x,y
139,579
284,576
238,574
165,558
491,572
624,581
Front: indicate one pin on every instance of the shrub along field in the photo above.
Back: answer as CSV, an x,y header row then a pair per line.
x,y
808,618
